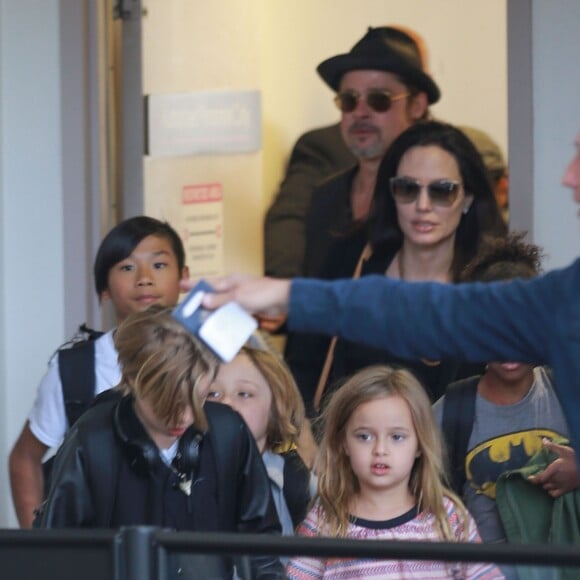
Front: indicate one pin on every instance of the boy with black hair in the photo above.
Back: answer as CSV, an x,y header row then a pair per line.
x,y
139,262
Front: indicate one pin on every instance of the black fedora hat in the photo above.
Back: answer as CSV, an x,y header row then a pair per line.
x,y
383,48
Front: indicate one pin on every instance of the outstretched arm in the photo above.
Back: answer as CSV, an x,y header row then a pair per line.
x,y
520,320
478,322
535,321
260,296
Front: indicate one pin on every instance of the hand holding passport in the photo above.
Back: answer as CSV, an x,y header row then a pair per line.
x,y
224,331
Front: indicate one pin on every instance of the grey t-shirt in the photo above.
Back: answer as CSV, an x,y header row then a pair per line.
x,y
504,437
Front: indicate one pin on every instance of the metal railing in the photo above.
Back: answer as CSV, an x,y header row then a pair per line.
x,y
148,553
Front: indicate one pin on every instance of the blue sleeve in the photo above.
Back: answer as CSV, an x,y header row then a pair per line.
x,y
519,320
536,321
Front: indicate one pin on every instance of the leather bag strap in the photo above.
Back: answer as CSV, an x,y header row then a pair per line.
x,y
323,379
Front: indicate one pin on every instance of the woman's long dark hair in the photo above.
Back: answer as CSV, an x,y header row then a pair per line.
x,y
483,218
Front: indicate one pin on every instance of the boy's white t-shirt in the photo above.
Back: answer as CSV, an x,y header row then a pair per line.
x,y
47,417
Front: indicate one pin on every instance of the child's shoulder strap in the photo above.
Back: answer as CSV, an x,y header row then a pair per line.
x,y
104,454
296,486
224,434
76,363
457,424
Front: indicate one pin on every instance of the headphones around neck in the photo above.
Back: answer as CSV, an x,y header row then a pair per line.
x,y
142,453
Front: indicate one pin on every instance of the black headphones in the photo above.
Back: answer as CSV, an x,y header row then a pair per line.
x,y
142,453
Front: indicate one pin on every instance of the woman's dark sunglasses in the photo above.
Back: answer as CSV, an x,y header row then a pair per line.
x,y
443,192
378,100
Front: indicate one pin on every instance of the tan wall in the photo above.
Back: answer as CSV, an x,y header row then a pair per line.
x,y
189,45
274,46
467,46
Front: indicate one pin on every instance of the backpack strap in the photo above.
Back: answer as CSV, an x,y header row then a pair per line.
x,y
102,457
90,333
106,454
77,373
76,368
296,486
457,424
223,435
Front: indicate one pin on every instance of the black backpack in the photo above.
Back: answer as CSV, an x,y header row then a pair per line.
x,y
76,363
457,424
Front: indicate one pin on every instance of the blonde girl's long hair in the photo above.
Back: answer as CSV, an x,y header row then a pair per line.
x,y
161,361
287,409
337,483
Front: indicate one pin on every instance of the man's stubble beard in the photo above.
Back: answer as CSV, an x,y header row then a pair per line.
x,y
373,150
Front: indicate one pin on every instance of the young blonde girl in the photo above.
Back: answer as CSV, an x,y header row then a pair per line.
x,y
260,387
380,477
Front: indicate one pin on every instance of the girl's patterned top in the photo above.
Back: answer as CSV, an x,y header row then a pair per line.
x,y
408,527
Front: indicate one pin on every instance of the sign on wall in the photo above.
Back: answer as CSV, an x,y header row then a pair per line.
x,y
203,122
201,228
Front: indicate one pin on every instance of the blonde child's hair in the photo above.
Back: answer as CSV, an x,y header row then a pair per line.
x,y
162,362
337,483
287,408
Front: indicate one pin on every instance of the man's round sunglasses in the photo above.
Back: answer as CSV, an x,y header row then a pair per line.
x,y
442,192
377,99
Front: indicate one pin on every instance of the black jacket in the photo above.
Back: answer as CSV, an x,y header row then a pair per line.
x,y
101,479
317,155
305,353
329,221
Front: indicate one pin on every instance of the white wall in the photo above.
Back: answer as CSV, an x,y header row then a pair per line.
x,y
556,122
31,225
186,49
544,89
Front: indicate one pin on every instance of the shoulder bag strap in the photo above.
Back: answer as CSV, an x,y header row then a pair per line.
x,y
77,376
323,380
